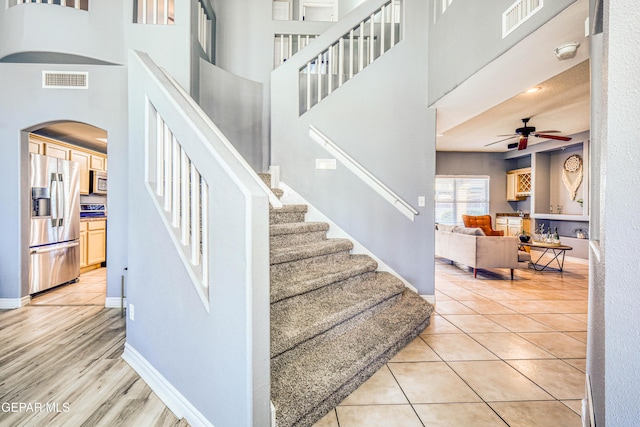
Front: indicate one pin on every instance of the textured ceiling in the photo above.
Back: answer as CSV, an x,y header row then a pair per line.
x,y
562,104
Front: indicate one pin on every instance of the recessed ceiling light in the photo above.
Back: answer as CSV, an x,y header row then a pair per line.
x,y
102,140
534,89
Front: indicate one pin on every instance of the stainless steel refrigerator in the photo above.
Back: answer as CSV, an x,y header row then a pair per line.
x,y
54,245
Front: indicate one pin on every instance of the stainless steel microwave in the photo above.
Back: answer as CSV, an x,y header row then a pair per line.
x,y
98,182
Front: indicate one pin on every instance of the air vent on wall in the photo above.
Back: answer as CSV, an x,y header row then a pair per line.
x,y
65,80
518,13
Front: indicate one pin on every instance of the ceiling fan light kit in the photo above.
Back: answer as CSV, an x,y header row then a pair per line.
x,y
566,51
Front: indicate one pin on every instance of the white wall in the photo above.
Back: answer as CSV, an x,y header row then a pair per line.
x,y
235,106
96,34
468,36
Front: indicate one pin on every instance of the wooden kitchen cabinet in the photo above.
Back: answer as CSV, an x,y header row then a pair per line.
x,y
98,163
513,226
36,147
96,242
518,184
56,150
82,158
83,244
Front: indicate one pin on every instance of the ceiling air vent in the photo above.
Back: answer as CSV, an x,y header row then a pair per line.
x,y
518,13
65,80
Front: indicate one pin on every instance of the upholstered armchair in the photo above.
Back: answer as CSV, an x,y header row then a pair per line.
x,y
483,222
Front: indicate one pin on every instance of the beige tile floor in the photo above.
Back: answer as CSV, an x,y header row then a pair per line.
x,y
91,289
497,353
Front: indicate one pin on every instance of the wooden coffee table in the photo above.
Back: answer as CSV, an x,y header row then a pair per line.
x,y
558,252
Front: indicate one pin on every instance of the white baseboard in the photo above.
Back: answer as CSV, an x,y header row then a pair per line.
x,y
11,303
114,302
169,395
313,214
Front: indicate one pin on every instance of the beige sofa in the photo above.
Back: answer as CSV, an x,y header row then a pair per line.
x,y
470,246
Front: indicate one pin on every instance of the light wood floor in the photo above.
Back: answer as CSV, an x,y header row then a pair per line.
x,y
65,353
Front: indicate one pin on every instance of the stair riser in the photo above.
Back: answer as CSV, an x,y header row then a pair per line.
x,y
349,316
349,387
343,327
312,285
285,240
276,217
285,267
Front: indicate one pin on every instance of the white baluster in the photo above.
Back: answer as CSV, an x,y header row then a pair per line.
x,y
340,61
290,43
382,30
63,2
319,73
282,58
204,232
155,12
195,216
159,148
351,55
371,39
331,53
185,201
393,23
165,16
308,86
144,11
166,187
361,47
175,180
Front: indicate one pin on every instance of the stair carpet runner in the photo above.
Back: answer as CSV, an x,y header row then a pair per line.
x,y
335,320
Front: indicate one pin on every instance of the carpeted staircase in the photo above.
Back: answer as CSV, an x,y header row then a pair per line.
x,y
335,320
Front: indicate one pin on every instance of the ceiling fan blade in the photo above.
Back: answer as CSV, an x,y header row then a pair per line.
x,y
557,137
513,135
549,131
522,145
506,139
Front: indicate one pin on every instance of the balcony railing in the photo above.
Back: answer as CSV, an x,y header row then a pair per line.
x,y
76,4
350,54
154,12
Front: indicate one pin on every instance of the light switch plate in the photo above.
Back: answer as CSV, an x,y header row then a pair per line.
x,y
325,164
422,201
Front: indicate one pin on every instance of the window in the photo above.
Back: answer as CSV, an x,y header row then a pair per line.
x,y
461,195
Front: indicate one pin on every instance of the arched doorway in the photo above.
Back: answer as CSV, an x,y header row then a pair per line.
x,y
67,225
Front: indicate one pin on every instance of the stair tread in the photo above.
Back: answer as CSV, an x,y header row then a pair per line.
x,y
312,378
297,227
309,250
303,317
295,282
290,208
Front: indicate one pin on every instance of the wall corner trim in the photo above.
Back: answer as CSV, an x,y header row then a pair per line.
x,y
170,396
11,303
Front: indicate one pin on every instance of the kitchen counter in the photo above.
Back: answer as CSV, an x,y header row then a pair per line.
x,y
513,214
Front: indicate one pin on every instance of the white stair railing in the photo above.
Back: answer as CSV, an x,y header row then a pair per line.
x,y
154,12
350,54
76,4
361,172
287,45
181,193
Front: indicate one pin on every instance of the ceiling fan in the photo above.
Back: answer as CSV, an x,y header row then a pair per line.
x,y
525,131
